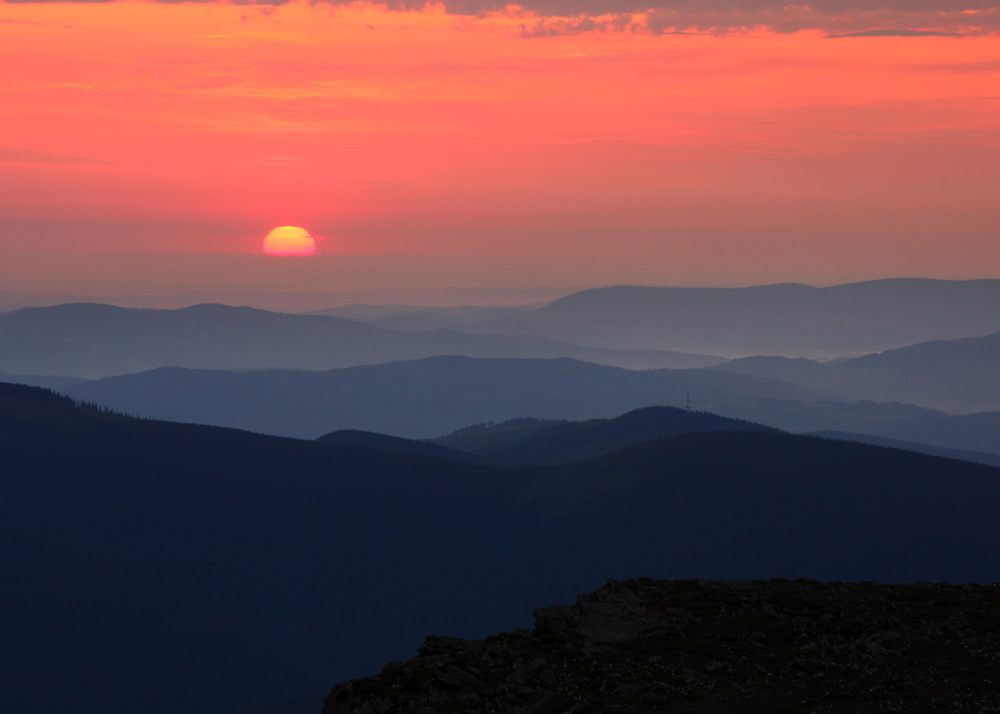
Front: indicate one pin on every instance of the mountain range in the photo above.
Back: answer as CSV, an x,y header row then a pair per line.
x,y
299,498
548,441
93,341
633,327
37,380
960,375
428,398
415,399
790,320
186,569
891,420
536,441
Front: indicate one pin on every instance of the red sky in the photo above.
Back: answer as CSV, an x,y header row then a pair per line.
x,y
161,142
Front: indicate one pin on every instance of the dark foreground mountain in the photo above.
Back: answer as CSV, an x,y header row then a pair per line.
x,y
535,441
92,341
312,705
954,375
401,445
181,569
789,319
696,646
414,399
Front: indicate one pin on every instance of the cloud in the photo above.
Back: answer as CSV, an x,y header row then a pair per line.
x,y
34,157
895,33
840,18
958,67
837,18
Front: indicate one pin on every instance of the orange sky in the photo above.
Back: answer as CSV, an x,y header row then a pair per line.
x,y
578,158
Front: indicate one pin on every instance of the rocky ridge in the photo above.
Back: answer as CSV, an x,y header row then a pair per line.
x,y
712,646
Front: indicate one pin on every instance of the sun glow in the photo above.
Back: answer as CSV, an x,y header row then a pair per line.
x,y
615,156
289,240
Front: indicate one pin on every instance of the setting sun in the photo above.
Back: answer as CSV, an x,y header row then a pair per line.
x,y
289,240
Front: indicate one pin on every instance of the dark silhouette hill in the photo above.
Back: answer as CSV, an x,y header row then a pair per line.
x,y
789,319
960,375
564,442
91,340
298,706
161,567
889,420
401,445
718,646
540,441
175,568
414,399
979,457
861,417
488,436
35,380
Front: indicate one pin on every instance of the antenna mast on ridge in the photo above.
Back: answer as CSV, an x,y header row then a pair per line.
x,y
689,402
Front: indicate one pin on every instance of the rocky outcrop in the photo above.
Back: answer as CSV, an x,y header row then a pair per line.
x,y
615,613
780,645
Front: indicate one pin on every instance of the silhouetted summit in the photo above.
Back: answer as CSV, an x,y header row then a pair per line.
x,y
396,443
540,442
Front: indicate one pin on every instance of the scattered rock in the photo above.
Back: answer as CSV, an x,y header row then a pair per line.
x,y
710,646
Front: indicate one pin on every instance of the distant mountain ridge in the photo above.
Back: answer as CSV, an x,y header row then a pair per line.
x,y
414,399
634,327
790,319
91,341
961,375
889,420
428,398
35,380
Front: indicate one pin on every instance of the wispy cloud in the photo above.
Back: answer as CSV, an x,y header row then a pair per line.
x,y
957,67
35,157
896,33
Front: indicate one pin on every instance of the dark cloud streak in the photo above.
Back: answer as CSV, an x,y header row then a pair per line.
x,y
838,18
847,18
894,33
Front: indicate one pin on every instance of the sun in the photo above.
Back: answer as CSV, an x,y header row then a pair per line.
x,y
289,240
